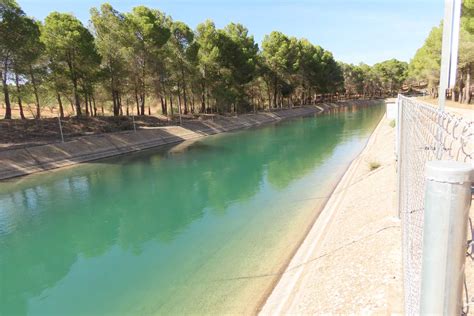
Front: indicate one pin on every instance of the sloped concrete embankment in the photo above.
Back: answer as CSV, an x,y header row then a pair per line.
x,y
350,261
28,160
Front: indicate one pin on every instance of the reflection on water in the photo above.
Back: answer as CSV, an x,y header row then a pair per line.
x,y
153,231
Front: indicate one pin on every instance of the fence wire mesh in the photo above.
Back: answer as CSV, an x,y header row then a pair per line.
x,y
424,134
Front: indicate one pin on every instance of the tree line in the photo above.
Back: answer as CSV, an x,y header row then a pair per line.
x,y
127,61
424,68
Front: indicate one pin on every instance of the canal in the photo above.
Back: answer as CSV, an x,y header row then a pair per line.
x,y
199,227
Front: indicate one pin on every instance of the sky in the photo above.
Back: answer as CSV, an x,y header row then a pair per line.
x,y
355,31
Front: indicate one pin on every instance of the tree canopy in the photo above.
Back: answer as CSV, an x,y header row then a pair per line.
x,y
424,68
127,62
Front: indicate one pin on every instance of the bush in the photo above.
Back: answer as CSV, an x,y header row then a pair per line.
x,y
374,165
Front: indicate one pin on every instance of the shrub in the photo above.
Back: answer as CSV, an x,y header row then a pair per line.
x,y
374,165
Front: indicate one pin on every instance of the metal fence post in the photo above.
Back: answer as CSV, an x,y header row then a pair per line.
x,y
134,127
398,150
447,202
61,129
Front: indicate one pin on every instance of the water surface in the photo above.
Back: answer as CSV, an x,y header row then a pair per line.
x,y
200,227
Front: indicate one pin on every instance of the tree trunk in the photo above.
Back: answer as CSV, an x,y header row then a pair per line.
x,y
91,108
203,98
468,85
86,101
163,106
8,108
77,101
184,92
143,86
171,105
61,110
142,103
95,107
179,99
72,106
35,91
20,105
137,101
275,92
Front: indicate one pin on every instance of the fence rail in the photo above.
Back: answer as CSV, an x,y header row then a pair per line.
x,y
424,134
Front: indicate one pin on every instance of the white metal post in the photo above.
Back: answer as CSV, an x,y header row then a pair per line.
x,y
398,151
449,50
61,129
447,202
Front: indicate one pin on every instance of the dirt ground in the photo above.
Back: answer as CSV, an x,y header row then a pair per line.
x,y
18,133
449,103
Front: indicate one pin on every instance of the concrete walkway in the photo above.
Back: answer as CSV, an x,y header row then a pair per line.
x,y
351,260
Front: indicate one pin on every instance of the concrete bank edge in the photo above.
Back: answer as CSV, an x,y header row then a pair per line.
x,y
281,297
29,160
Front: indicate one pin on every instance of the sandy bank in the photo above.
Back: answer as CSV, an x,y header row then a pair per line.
x,y
28,160
350,262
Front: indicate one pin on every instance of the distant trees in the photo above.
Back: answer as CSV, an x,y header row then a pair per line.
x,y
424,68
384,78
18,49
425,64
124,62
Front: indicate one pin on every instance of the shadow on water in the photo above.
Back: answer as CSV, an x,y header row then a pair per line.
x,y
49,221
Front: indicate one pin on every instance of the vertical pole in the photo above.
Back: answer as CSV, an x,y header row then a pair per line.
x,y
449,51
133,120
61,129
399,153
447,202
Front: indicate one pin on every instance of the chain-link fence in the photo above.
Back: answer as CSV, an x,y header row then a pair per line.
x,y
424,134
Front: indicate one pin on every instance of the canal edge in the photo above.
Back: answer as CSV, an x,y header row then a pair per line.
x,y
279,294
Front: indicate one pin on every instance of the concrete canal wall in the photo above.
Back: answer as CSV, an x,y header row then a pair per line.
x,y
28,160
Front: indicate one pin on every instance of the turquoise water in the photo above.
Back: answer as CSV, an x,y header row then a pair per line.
x,y
200,227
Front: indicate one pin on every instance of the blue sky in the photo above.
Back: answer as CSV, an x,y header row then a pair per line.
x,y
354,30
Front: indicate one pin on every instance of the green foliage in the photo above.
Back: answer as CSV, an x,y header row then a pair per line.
x,y
426,63
424,68
143,56
383,78
72,51
110,33
374,165
392,74
468,15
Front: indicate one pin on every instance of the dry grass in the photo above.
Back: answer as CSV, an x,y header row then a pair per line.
x,y
17,133
374,165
